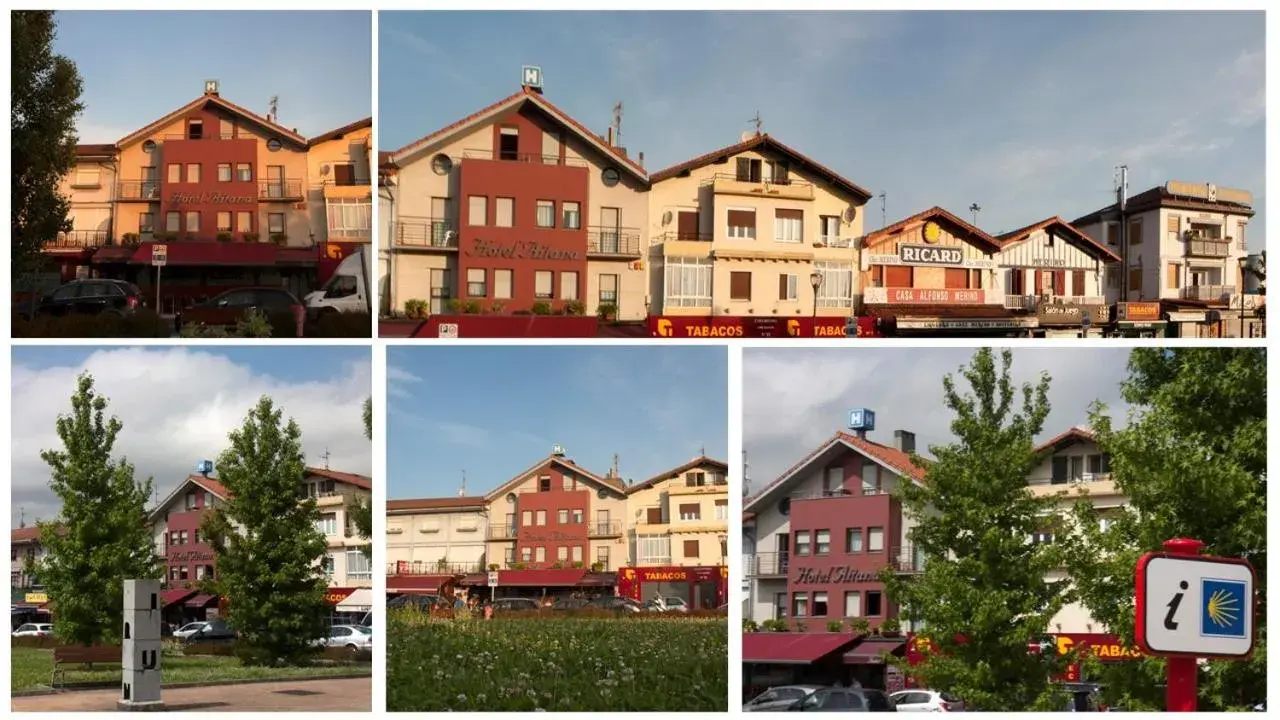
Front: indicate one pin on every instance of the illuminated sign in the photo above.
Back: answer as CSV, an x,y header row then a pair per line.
x,y
1071,314
1138,311
517,250
333,596
663,575
726,326
211,198
930,255
1100,646
810,576
36,598
923,296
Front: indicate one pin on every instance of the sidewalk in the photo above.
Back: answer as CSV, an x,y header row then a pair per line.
x,y
352,694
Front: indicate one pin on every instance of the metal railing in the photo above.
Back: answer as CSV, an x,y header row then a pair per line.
x,y
203,136
1083,478
424,567
768,564
501,532
79,239
609,528
674,235
427,233
1205,292
903,560
780,182
837,493
138,190
835,241
1208,248
280,190
613,241
1031,302
533,158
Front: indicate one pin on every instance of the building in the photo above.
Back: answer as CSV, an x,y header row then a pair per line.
x,y
517,208
25,550
1183,245
678,534
752,236
236,198
435,537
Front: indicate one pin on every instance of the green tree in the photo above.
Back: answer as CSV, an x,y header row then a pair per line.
x,y
101,537
267,547
982,596
46,101
1192,462
362,512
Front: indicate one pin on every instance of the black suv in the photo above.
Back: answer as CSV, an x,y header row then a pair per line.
x,y
92,297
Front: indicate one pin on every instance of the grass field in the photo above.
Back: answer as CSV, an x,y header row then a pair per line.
x,y
641,663
32,667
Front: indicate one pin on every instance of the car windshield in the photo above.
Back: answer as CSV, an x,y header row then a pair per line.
x,y
948,697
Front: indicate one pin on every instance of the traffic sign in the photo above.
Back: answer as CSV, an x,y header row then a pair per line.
x,y
1194,606
448,330
493,578
159,255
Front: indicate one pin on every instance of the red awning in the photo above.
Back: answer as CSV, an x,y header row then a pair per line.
x,y
539,578
177,595
200,601
792,648
942,311
112,254
871,651
415,584
600,579
197,252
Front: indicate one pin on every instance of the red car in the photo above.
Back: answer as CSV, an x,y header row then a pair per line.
x,y
225,310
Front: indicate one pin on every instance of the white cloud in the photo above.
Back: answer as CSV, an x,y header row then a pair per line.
x,y
397,380
177,407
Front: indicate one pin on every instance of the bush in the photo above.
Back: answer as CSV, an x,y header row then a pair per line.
x,y
279,238
575,307
541,308
749,625
607,312
417,309
834,626
336,324
861,626
141,323
251,237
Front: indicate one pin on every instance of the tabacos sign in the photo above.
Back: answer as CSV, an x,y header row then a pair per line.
x,y
753,327
1100,646
839,575
520,250
211,198
663,575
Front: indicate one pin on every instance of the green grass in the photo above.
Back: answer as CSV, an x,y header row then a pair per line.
x,y
641,663
32,668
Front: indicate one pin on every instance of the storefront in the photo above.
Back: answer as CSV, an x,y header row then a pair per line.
x,y
951,321
543,585
1137,320
770,659
1071,320
701,588
348,606
731,326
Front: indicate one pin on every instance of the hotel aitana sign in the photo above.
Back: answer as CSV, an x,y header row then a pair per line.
x,y
212,198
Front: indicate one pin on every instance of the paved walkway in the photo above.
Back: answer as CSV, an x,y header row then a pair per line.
x,y
353,694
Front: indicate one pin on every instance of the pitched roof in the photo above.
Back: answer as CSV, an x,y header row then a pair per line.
x,y
24,535
759,142
937,213
1160,197
87,151
220,490
444,503
514,100
1071,435
613,483
1021,235
699,461
230,107
339,132
890,457
361,481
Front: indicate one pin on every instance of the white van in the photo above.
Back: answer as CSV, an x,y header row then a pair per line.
x,y
348,291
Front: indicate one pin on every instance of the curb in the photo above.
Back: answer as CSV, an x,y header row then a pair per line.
x,y
180,686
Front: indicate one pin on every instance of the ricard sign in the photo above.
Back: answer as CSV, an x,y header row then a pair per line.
x,y
930,255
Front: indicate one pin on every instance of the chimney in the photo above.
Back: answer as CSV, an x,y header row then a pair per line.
x,y
608,138
904,441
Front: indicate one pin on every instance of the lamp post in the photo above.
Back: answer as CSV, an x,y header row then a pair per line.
x,y
815,279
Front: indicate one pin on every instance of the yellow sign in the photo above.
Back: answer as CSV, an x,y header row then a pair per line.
x,y
37,598
931,232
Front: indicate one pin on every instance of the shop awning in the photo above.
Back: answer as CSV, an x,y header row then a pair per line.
x,y
174,596
871,651
600,579
200,253
361,599
200,601
530,578
787,648
418,584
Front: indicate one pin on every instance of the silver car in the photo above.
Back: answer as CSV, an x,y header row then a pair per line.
x,y
779,698
352,637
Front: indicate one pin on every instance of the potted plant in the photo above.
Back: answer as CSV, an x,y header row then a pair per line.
x,y
518,566
557,565
251,237
224,237
597,567
130,239
442,564
493,567
472,307
607,312
749,625
541,307
279,238
455,306
834,626
497,306
861,626
577,564
890,627
574,307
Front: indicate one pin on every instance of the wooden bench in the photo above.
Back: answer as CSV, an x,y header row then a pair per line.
x,y
89,655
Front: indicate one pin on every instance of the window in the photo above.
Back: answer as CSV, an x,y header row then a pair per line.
x,y
602,557
543,281
740,285
787,287
244,172
873,603
836,289
175,173
1100,464
687,282
275,223
802,542
748,170
829,226
577,517
86,177
509,556
199,572
572,213
224,221
504,212
526,518
540,554
244,221
870,478
349,217
193,172
172,221
540,517
1059,470
477,210
853,540
742,224
509,143
1172,280
546,217
562,516
544,483
358,567
182,537
183,573
722,509
475,282
800,604
327,524
526,554
1044,537
193,221
822,542
562,553
780,606
654,549
577,553
875,539
569,285
1135,231
899,276
608,288
344,174
819,604
146,223
328,563
502,284
1077,468
691,548
224,172
853,604
788,225
195,129
690,511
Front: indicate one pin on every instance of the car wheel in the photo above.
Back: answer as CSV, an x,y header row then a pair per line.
x,y
355,650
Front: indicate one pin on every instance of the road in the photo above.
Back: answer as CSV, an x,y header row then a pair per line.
x,y
353,694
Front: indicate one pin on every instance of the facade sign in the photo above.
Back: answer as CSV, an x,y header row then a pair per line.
x,y
211,198
552,536
529,250
1009,323
1107,648
333,596
1138,311
923,296
36,598
930,255
1194,605
729,326
869,259
191,556
1071,314
811,576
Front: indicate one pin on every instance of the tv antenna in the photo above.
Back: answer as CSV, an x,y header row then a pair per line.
x,y
325,456
757,122
273,106
975,208
746,476
22,517
884,219
462,491
615,465
617,124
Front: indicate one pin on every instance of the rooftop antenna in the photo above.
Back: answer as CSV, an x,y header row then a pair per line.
x,y
462,491
614,469
273,106
757,122
1122,186
702,450
975,208
746,476
22,517
617,124
325,455
884,219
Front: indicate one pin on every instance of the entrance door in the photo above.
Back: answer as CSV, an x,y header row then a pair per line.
x,y
610,223
275,181
687,225
439,290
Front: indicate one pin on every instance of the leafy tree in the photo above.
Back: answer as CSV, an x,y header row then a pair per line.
x,y
982,596
46,101
266,543
101,537
1192,462
362,512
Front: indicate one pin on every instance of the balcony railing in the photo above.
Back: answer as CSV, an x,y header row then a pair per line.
x,y
501,532
143,190
903,560
1206,292
833,241
768,564
403,569
838,493
1208,248
203,136
79,239
533,158
430,233
1019,302
611,528
617,242
674,235
731,184
1031,302
281,190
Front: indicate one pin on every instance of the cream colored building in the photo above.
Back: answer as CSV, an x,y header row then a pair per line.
x,y
90,189
339,190
740,230
336,494
436,535
680,517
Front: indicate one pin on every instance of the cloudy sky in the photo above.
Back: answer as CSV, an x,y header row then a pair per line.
x,y
178,405
1026,114
793,400
495,411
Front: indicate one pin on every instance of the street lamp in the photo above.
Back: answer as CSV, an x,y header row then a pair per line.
x,y
815,279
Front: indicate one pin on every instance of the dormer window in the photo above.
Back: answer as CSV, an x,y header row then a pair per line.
x,y
195,129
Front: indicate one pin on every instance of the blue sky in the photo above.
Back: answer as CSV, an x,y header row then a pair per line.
x,y
495,411
1027,114
177,405
139,66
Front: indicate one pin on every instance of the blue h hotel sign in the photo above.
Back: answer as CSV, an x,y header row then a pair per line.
x,y
862,419
1223,604
531,75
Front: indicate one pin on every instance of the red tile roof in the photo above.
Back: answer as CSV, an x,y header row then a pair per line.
x,y
892,457
1020,235
1071,435
96,150
24,535
445,503
288,134
339,132
360,481
676,472
211,485
765,141
936,213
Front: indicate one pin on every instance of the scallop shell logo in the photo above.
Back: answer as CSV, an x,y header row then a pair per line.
x,y
931,232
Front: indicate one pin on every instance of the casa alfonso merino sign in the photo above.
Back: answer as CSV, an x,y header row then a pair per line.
x,y
211,198
930,255
517,250
837,575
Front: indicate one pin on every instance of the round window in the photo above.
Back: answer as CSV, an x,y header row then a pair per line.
x,y
442,164
610,177
273,144
149,146
511,498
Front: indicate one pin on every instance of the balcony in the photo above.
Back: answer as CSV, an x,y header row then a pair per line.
x,y
727,184
405,569
904,561
838,493
1091,484
76,239
716,487
205,136
280,190
1207,247
1020,302
529,158
138,190
1031,302
1210,293
833,241
613,242
680,236
426,234
607,529
767,564
501,532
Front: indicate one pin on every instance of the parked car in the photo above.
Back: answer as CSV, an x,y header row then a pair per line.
x,y
190,629
352,637
926,701
91,297
34,630
620,604
779,698
421,602
844,700
225,310
347,291
214,631
1082,697
516,604
570,604
669,604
